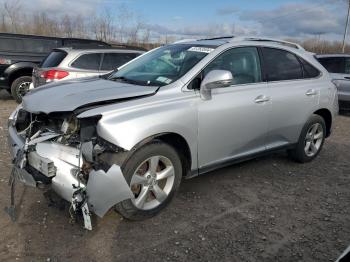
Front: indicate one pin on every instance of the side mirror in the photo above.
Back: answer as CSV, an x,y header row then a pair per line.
x,y
215,79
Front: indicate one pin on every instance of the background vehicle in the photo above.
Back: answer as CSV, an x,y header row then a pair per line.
x,y
19,54
338,65
179,110
70,63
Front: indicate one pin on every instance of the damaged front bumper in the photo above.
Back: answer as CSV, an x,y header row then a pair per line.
x,y
43,161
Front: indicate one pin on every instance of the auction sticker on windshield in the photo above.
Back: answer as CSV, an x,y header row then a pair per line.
x,y
164,80
201,49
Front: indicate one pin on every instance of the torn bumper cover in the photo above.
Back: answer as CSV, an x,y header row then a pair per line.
x,y
59,165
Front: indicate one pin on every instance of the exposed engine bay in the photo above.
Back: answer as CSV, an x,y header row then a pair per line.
x,y
60,151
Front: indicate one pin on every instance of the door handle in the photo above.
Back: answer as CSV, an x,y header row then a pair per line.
x,y
347,77
261,99
311,92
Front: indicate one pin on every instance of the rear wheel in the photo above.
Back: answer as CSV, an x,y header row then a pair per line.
x,y
310,141
154,174
20,87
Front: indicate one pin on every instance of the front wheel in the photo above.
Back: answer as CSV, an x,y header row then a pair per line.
x,y
20,87
310,141
154,174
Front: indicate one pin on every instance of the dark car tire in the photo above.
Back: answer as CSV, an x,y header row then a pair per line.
x,y
300,153
128,208
17,85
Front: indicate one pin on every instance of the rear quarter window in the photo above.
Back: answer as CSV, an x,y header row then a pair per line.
x,y
54,59
281,65
309,70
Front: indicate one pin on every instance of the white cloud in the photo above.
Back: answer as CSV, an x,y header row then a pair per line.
x,y
298,20
59,7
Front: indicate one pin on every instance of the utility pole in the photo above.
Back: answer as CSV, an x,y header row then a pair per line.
x,y
346,27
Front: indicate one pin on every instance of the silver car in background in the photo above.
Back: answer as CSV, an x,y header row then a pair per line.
x,y
338,65
71,63
181,110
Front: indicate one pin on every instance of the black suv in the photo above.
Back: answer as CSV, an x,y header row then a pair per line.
x,y
19,54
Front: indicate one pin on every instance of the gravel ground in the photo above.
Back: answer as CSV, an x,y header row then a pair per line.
x,y
268,209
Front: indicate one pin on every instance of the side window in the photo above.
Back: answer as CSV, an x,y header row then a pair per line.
x,y
88,61
309,70
112,61
333,64
347,65
11,44
242,62
281,65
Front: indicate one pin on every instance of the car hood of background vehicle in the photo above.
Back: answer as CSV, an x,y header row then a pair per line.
x,y
71,95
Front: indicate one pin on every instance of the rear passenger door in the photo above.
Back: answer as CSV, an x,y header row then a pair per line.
x,y
112,61
87,65
294,91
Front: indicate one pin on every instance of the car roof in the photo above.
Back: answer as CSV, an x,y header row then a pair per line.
x,y
218,41
332,55
70,50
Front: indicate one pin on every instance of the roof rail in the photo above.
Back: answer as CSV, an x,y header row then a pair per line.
x,y
264,39
185,40
219,37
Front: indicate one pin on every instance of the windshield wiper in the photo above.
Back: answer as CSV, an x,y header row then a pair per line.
x,y
130,81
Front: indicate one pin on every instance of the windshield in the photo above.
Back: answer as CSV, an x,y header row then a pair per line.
x,y
162,66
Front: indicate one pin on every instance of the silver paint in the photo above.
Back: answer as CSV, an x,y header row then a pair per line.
x,y
72,94
105,190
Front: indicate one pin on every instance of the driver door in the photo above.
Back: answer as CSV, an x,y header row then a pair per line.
x,y
233,123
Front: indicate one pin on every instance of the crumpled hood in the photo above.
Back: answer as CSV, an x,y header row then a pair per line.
x,y
70,95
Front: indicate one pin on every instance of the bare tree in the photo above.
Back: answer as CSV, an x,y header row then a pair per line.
x,y
13,10
103,27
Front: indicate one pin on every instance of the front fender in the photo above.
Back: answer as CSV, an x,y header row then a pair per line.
x,y
127,129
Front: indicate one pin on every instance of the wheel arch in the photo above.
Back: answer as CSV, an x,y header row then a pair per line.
x,y
327,116
178,142
19,69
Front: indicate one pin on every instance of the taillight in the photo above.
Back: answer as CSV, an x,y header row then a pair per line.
x,y
4,61
54,74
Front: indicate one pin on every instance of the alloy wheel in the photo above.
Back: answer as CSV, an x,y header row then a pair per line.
x,y
152,182
23,89
313,140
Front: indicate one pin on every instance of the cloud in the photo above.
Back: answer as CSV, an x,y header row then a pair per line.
x,y
297,20
59,7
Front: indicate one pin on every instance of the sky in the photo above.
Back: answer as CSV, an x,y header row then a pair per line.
x,y
196,18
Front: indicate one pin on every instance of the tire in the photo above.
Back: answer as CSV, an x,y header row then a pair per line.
x,y
140,160
308,146
18,87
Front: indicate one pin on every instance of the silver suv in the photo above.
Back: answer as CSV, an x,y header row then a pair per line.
x,y
70,63
181,110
